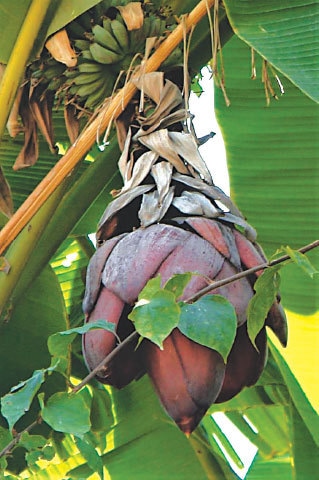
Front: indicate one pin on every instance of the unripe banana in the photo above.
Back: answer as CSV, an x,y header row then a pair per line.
x,y
88,67
156,27
56,83
137,40
54,71
103,55
147,26
84,78
84,91
106,39
82,44
37,73
71,74
121,34
87,55
107,24
73,89
99,95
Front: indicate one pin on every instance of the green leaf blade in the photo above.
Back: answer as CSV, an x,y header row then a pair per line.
x,y
284,34
211,321
18,401
68,413
266,288
177,283
93,459
155,317
59,343
302,261
98,324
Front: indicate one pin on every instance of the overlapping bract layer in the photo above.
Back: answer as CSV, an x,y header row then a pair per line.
x,y
187,376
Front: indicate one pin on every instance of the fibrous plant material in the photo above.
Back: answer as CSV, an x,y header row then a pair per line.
x,y
170,218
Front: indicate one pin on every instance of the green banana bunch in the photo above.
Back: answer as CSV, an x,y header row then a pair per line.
x,y
105,47
110,41
152,27
90,83
48,72
120,33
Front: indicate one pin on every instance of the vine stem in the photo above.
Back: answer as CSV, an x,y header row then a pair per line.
x,y
220,283
99,123
193,298
105,361
7,449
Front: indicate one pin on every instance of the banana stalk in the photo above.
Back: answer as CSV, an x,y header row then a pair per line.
x,y
51,233
19,253
19,57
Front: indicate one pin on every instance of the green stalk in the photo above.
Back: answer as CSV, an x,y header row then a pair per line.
x,y
58,222
207,459
19,57
20,251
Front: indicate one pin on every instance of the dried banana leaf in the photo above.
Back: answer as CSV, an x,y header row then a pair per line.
x,y
170,98
141,168
152,210
250,232
121,201
161,143
122,163
72,123
6,203
210,190
171,119
195,203
151,84
41,105
132,15
14,125
162,174
60,48
30,150
186,146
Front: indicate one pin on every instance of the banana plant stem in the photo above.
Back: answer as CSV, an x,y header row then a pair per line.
x,y
100,123
19,57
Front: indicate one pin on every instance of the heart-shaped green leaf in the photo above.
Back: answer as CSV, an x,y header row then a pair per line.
x,y
18,401
68,413
155,317
211,321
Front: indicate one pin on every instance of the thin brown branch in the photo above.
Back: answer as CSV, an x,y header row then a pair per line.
x,y
100,123
250,271
7,449
105,361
